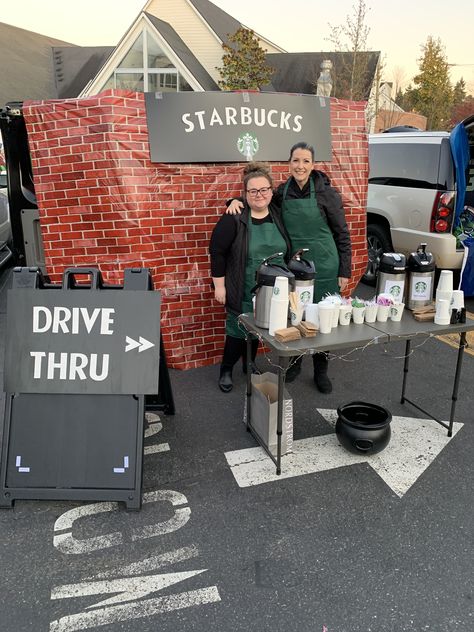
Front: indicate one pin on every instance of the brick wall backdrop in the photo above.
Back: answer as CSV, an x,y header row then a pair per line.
x,y
102,202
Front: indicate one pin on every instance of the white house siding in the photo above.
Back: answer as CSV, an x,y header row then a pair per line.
x,y
195,32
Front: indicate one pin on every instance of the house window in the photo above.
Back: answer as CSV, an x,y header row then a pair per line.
x,y
146,68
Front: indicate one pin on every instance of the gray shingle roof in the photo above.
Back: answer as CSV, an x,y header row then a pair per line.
x,y
220,22
27,65
298,72
75,66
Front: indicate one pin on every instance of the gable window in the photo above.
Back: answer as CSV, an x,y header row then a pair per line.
x,y
146,68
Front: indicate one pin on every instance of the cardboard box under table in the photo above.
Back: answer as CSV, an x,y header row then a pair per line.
x,y
264,413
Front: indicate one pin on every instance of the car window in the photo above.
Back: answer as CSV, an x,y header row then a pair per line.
x,y
405,164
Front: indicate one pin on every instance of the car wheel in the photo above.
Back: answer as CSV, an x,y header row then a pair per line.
x,y
378,242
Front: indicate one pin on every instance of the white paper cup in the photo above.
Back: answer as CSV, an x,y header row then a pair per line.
x,y
396,311
442,316
345,312
383,313
371,313
325,311
311,313
445,282
458,299
358,315
445,295
335,316
280,288
296,316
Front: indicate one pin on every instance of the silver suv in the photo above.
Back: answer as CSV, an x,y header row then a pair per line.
x,y
411,197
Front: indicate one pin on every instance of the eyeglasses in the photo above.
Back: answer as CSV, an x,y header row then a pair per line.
x,y
262,191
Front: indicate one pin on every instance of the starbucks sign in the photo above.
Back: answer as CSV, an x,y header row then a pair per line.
x,y
235,126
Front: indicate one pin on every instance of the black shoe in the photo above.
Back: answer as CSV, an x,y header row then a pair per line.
x,y
225,380
323,383
253,366
320,365
293,370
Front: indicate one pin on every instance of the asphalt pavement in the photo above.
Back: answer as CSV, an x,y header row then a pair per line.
x,y
381,544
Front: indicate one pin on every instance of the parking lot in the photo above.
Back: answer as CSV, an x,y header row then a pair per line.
x,y
370,545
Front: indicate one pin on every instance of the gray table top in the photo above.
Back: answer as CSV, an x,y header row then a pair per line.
x,y
352,335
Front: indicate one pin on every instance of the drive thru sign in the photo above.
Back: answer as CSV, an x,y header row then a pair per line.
x,y
82,342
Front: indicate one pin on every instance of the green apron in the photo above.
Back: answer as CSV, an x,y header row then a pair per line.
x,y
264,240
307,229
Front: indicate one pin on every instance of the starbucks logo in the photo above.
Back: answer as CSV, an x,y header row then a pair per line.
x,y
276,291
421,287
248,145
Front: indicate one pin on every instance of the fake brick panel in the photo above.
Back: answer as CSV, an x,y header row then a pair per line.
x,y
103,202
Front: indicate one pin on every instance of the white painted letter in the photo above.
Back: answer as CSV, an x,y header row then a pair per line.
x,y
105,367
269,118
60,318
38,356
230,114
107,320
186,121
200,116
61,365
284,120
37,309
215,118
297,125
76,365
245,116
89,320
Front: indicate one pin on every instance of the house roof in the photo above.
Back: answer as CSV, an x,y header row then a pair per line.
x,y
298,72
74,66
187,58
220,22
27,57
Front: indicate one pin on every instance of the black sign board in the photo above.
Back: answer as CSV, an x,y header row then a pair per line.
x,y
235,126
79,360
82,342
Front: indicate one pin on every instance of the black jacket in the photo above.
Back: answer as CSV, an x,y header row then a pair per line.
x,y
231,253
330,204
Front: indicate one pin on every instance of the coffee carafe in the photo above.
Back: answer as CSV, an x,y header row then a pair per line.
x,y
304,272
265,280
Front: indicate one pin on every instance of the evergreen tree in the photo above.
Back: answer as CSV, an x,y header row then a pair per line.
x,y
459,92
244,65
433,93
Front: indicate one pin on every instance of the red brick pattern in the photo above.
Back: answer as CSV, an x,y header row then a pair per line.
x,y
103,202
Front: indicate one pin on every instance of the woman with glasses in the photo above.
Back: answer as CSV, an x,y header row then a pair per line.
x,y
238,245
314,217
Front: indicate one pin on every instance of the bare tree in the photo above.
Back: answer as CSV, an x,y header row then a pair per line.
x,y
352,71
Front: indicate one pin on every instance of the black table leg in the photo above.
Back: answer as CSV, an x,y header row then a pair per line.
x,y
249,379
282,366
405,370
457,375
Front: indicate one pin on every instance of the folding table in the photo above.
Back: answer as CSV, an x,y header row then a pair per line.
x,y
345,337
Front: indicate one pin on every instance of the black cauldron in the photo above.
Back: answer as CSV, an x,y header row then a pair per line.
x,y
363,428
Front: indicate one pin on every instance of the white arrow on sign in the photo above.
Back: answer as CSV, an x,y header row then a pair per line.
x,y
414,445
142,343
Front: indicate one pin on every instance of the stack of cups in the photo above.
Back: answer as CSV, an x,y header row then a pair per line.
x,y
279,305
444,290
442,316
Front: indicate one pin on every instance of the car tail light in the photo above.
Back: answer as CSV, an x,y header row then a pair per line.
x,y
442,214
